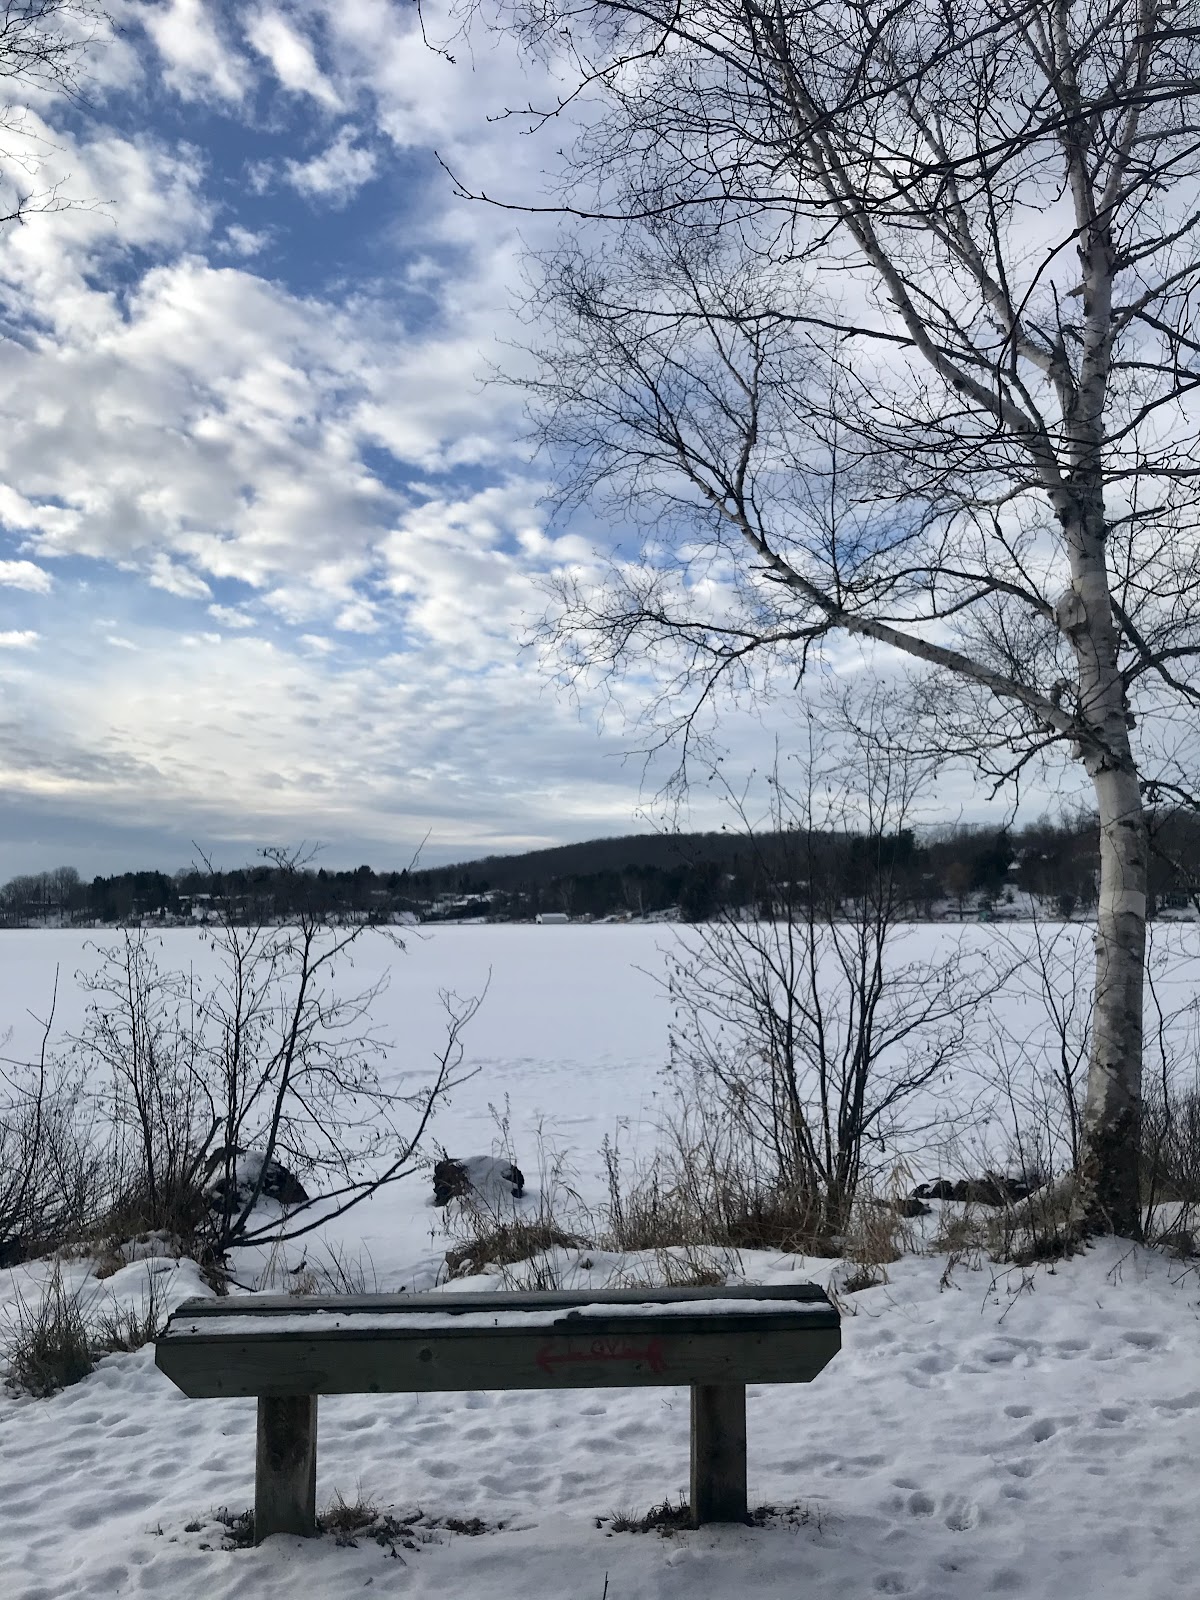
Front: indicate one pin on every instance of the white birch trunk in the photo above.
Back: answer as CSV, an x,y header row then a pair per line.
x,y
1107,1197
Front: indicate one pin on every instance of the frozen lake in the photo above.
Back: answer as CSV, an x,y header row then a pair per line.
x,y
572,1038
984,1430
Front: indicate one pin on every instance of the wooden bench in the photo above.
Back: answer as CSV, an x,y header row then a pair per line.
x,y
287,1352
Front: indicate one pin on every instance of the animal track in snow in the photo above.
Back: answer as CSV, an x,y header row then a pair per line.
x,y
1018,1411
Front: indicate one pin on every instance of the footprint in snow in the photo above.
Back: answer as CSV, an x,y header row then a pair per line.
x,y
921,1504
1145,1341
1006,1580
1018,1411
890,1583
1185,1402
1044,1428
939,1361
1110,1416
961,1515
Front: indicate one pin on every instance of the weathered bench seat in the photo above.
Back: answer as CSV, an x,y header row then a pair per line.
x,y
287,1352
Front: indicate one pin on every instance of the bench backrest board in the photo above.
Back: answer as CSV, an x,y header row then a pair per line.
x,y
363,1344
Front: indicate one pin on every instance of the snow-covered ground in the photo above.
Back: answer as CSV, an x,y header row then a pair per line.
x,y
1005,1432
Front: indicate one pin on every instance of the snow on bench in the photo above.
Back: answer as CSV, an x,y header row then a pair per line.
x,y
287,1352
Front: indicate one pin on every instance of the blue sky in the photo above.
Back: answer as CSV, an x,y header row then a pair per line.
x,y
269,545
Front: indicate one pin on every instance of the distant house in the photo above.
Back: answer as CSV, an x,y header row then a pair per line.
x,y
552,916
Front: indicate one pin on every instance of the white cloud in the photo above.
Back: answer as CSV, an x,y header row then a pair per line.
x,y
291,58
169,576
231,617
243,242
19,639
337,173
251,740
462,573
25,575
360,616
200,64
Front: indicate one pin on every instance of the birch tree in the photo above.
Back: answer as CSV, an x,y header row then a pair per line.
x,y
879,313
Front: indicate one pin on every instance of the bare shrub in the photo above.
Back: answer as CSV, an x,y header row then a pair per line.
x,y
55,1176
207,1092
805,1026
1035,1074
1170,1165
1041,1228
1038,1048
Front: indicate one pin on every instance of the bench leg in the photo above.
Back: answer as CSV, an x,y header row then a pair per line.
x,y
718,1452
285,1468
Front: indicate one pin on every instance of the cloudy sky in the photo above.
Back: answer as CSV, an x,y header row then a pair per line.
x,y
269,541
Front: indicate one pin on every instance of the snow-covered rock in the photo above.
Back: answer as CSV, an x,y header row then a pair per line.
x,y
279,1183
486,1178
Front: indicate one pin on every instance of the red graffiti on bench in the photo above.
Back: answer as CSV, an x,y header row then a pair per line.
x,y
550,1356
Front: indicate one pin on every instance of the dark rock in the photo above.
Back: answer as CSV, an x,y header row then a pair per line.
x,y
993,1189
939,1189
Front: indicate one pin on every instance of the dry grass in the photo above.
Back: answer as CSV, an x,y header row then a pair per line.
x,y
707,1187
130,1327
347,1521
684,1267
321,1269
668,1518
49,1345
508,1243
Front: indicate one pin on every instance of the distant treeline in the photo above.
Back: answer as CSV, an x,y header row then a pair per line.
x,y
958,870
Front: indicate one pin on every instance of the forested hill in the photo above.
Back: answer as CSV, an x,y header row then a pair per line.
x,y
631,852
954,871
696,875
